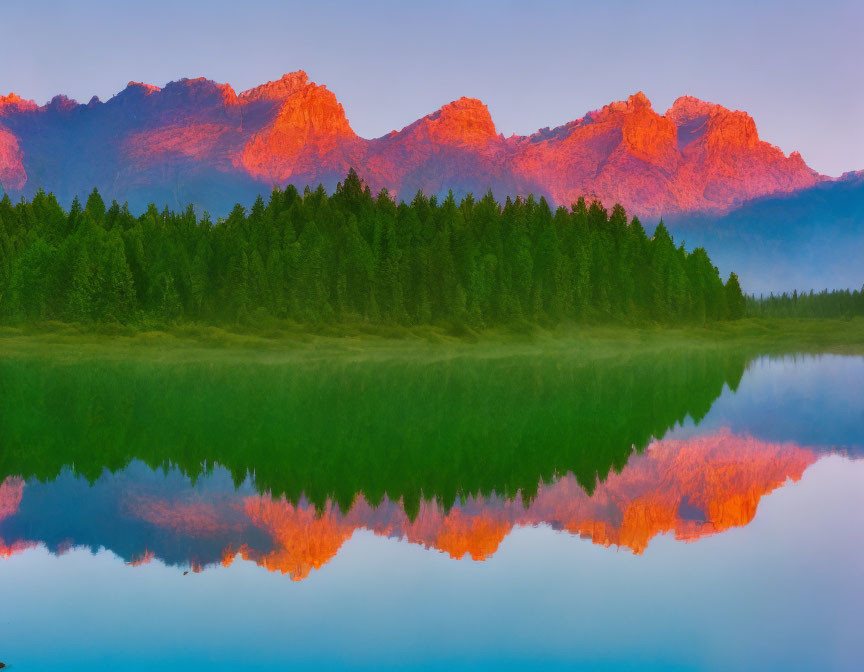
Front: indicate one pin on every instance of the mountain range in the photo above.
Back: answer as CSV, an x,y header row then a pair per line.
x,y
197,141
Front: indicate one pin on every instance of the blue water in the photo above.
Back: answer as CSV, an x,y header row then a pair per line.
x,y
784,591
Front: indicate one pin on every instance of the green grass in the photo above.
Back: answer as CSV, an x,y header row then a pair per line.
x,y
790,334
287,340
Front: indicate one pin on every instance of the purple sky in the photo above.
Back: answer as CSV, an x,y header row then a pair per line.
x,y
795,66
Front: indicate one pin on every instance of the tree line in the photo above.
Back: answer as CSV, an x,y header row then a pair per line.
x,y
352,257
841,303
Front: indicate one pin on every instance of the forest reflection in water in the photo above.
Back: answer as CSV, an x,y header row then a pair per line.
x,y
198,464
325,429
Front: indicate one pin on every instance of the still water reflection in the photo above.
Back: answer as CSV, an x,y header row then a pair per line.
x,y
142,558
690,488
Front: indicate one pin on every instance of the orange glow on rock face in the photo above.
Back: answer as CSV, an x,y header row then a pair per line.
x,y
695,156
465,123
147,89
12,173
15,103
192,141
309,133
278,90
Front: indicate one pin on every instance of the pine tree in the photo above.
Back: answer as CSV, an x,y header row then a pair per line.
x,y
116,291
735,304
95,207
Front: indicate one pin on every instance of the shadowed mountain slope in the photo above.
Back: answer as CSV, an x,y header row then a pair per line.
x,y
812,239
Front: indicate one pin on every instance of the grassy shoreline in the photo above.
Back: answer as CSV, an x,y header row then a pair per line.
x,y
763,336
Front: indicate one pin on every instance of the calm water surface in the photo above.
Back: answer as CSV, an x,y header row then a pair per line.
x,y
698,511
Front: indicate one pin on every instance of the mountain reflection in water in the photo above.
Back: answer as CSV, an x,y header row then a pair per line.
x,y
688,487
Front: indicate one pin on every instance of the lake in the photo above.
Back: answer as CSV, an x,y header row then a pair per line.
x,y
686,508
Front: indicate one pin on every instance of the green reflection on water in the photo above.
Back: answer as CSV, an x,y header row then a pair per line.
x,y
335,426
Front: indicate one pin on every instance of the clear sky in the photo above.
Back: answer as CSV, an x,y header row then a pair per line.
x,y
796,67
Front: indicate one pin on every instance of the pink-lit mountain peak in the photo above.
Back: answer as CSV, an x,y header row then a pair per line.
x,y
636,103
203,89
696,156
279,89
146,89
688,108
15,103
721,127
463,123
465,120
